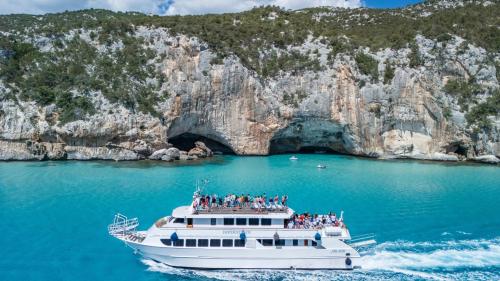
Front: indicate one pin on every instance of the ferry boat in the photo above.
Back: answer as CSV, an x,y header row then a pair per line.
x,y
246,235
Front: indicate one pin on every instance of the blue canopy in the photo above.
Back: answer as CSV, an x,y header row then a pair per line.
x,y
317,236
174,237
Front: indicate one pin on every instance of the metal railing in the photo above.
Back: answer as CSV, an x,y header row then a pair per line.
x,y
122,225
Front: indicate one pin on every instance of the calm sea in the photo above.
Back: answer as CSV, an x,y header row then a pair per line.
x,y
432,220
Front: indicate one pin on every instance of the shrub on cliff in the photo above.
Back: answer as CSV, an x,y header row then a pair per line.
x,y
388,73
415,59
463,91
478,115
367,65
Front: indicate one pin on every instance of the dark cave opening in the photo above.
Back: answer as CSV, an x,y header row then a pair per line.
x,y
317,150
295,145
457,148
186,142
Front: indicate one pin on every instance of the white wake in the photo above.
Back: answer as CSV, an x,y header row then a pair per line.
x,y
398,260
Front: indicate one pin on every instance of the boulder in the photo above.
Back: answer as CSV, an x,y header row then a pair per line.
x,y
490,159
167,158
200,150
437,156
142,148
157,155
166,154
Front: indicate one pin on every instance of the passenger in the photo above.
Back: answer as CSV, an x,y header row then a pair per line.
x,y
214,200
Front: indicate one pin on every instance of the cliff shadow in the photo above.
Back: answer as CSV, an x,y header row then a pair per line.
x,y
186,141
310,136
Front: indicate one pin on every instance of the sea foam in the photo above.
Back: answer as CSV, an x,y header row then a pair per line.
x,y
397,260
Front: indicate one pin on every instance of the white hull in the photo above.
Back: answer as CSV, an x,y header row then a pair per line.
x,y
240,238
247,258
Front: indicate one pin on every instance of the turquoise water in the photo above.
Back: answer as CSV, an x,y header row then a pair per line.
x,y
432,220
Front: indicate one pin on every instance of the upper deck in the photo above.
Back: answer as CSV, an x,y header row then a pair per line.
x,y
228,212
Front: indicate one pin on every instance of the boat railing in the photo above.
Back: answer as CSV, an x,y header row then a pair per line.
x,y
122,225
241,210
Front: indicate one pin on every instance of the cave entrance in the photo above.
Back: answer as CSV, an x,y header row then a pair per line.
x,y
317,149
296,145
186,141
457,148
310,136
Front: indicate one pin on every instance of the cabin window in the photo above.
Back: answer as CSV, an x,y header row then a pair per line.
x,y
314,243
228,221
295,242
227,242
265,222
241,221
253,221
179,243
179,220
279,242
213,221
202,242
267,242
166,242
239,243
214,242
190,242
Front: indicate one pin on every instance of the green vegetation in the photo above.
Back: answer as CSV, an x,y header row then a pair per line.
x,y
478,115
497,68
415,59
76,66
463,91
447,112
262,43
295,98
295,62
388,73
444,37
367,65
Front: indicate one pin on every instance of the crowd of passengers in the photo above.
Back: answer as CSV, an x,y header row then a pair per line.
x,y
257,202
308,221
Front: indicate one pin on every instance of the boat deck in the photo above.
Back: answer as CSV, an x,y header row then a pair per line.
x,y
241,210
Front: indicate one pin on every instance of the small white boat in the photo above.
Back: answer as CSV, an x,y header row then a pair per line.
x,y
321,166
294,158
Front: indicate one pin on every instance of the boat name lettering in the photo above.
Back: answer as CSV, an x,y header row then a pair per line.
x,y
233,232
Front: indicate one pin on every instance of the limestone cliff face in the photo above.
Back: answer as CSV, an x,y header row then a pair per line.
x,y
336,108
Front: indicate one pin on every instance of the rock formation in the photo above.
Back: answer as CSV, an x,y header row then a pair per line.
x,y
337,108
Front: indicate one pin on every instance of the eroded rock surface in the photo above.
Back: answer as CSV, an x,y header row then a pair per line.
x,y
252,115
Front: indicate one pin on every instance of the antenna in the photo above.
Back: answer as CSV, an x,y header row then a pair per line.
x,y
200,185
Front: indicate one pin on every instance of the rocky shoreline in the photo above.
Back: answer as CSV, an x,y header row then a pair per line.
x,y
39,151
30,151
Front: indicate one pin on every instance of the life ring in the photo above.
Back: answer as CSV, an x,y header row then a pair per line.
x,y
348,261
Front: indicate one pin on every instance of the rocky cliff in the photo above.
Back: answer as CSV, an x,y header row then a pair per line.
x,y
429,98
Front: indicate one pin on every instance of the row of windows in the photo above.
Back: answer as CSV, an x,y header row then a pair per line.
x,y
282,242
233,221
204,242
242,221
